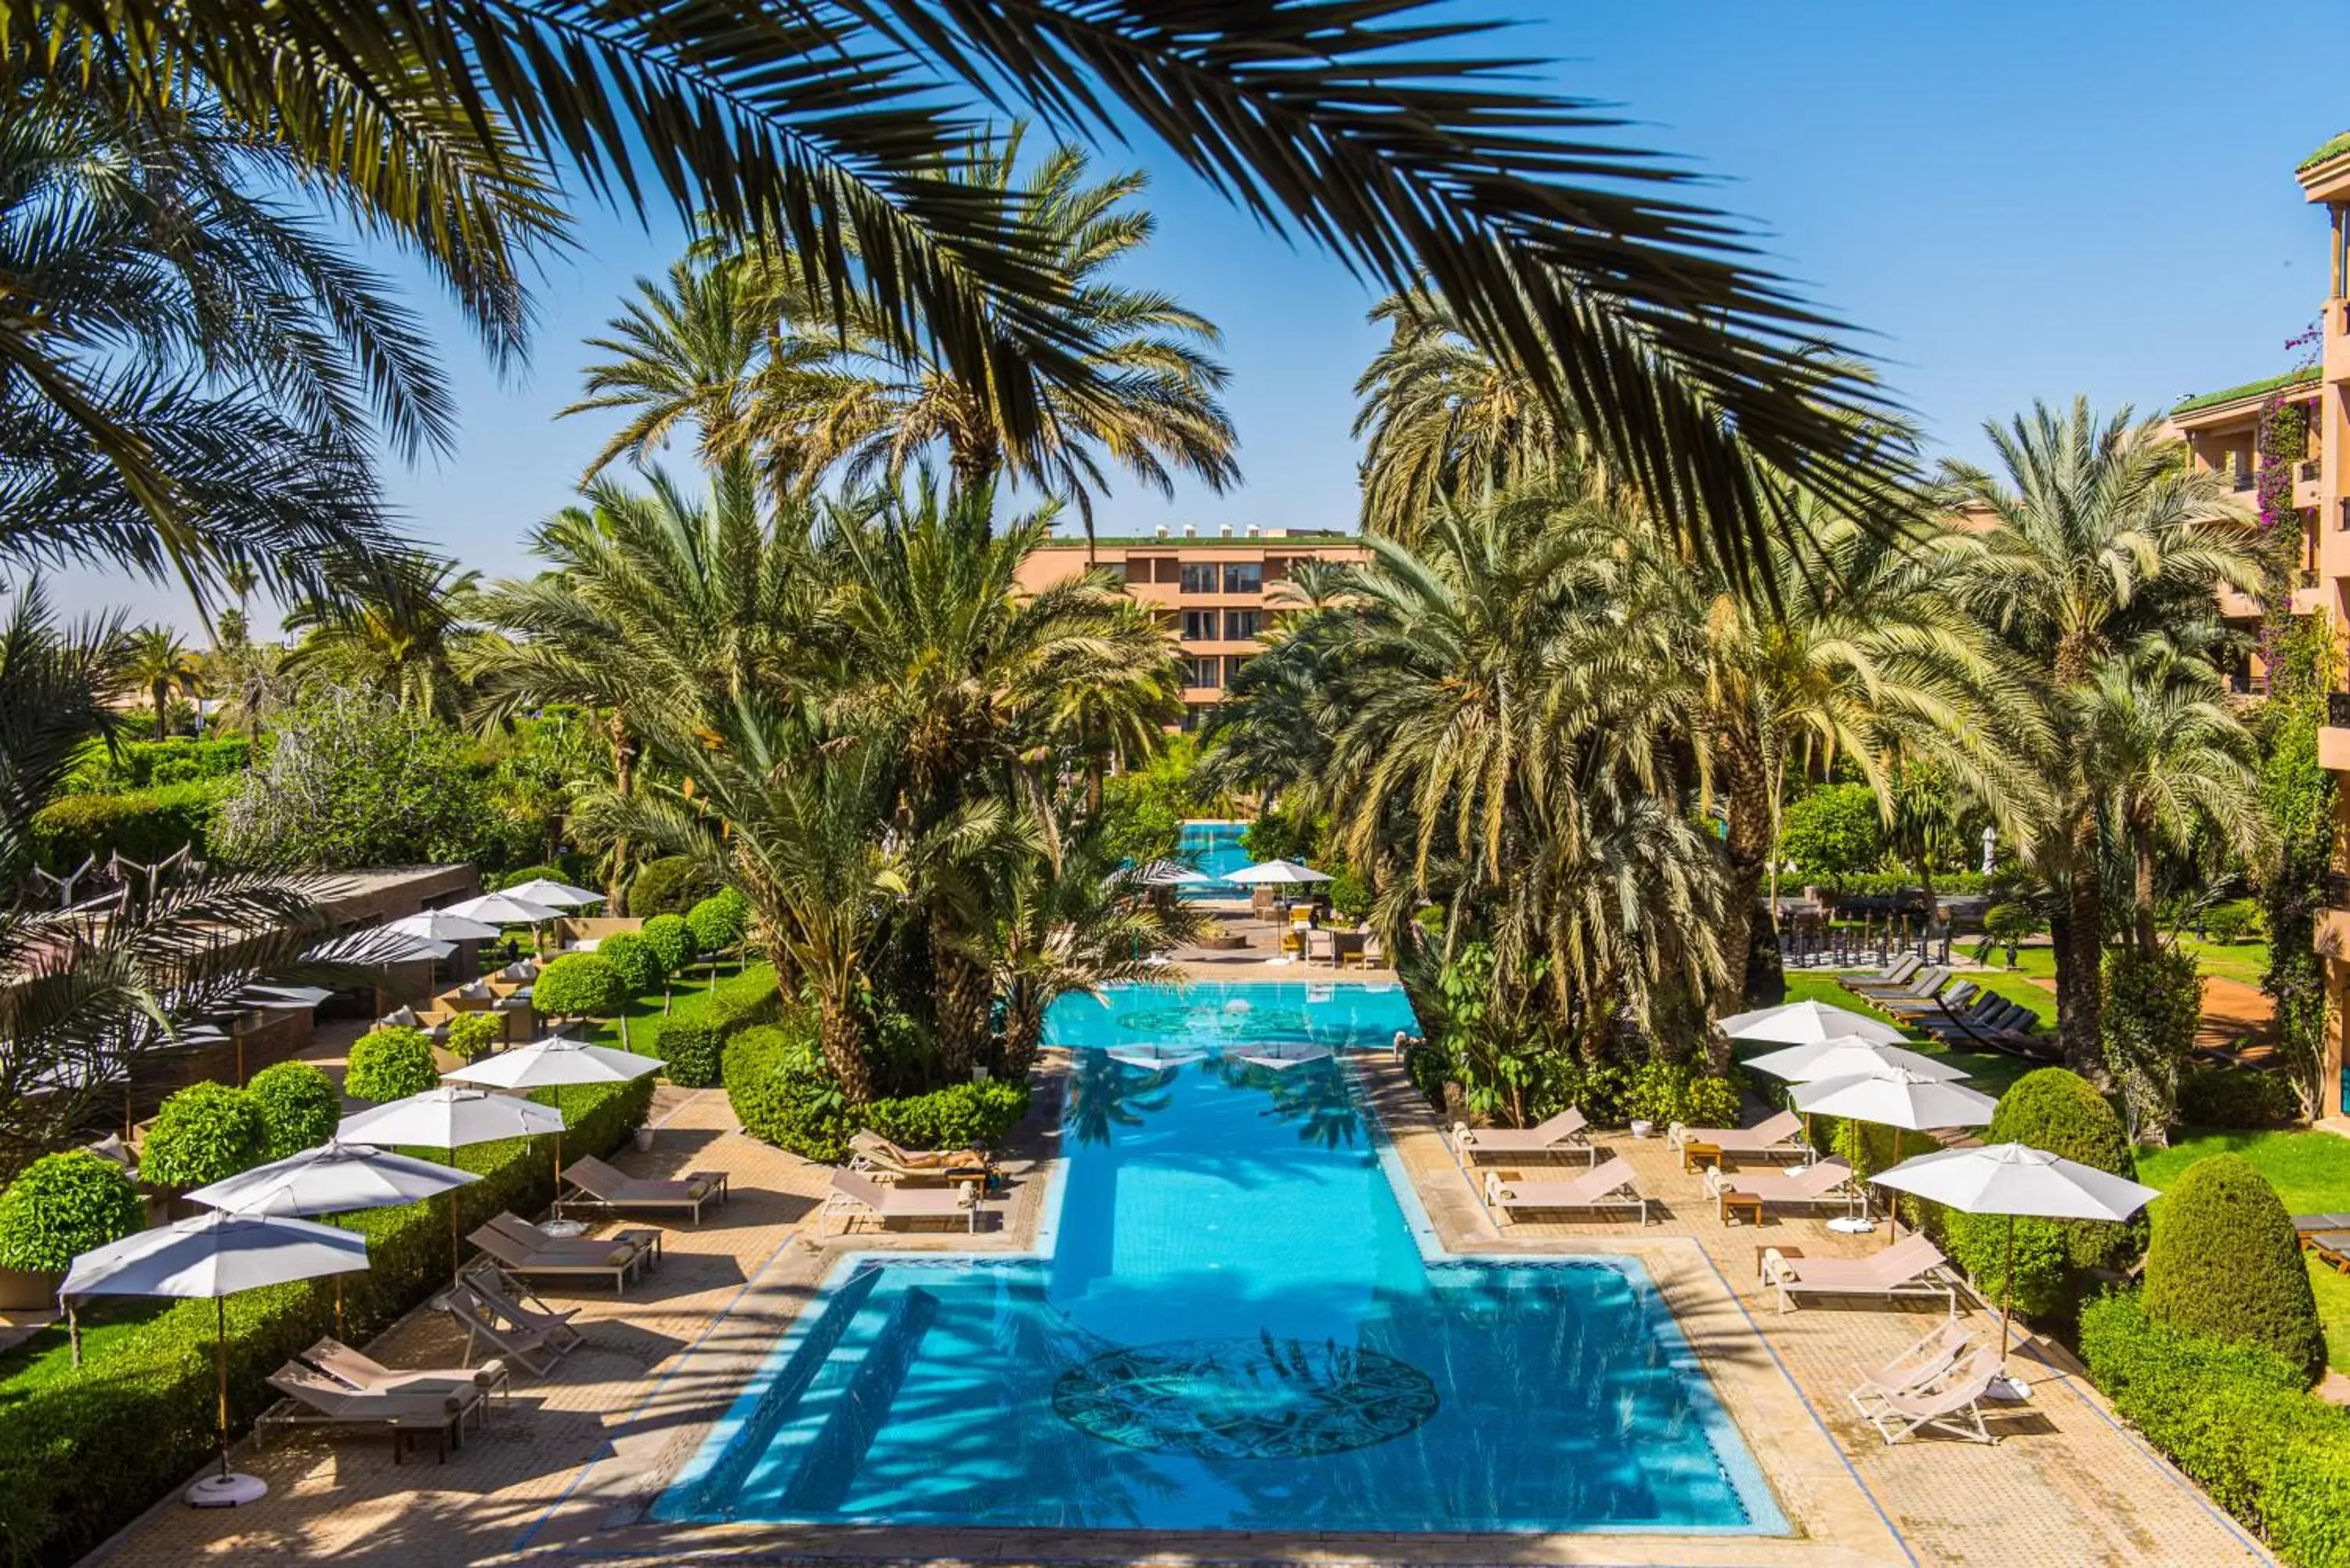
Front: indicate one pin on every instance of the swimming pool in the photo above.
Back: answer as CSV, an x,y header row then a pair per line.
x,y
1213,847
1236,1321
1212,1016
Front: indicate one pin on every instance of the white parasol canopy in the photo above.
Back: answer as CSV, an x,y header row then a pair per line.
x,y
442,926
505,909
542,890
1808,1024
216,1256
1849,1057
1896,1097
449,1117
1277,873
556,1060
333,1178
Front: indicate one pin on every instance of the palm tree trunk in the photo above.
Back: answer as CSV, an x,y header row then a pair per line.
x,y
1752,953
624,783
158,691
974,458
2080,988
843,1043
2141,837
959,996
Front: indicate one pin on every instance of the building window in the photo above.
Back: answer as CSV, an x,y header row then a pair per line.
x,y
1117,573
1199,578
1243,626
1233,664
1199,626
1202,670
1196,716
1245,578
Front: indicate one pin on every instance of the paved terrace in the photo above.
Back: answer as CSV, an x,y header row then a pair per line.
x,y
566,1471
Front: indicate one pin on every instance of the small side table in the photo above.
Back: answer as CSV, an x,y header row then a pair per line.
x,y
1762,1247
1750,1204
1697,1157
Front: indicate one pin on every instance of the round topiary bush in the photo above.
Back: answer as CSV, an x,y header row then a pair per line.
x,y
632,956
61,1206
298,1104
579,985
2225,1263
204,1133
719,921
669,886
391,1064
471,1034
2058,1111
673,942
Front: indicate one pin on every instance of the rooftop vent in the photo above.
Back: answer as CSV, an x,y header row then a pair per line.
x,y
1224,531
1189,532
1254,531
1162,531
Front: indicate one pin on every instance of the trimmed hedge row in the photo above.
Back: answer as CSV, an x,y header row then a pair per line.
x,y
2236,1420
83,1452
2234,1097
692,1037
143,825
777,1082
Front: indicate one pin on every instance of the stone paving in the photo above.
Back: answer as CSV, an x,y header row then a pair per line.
x,y
568,1469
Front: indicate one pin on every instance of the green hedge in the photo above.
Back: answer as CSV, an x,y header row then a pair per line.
x,y
2225,1262
2237,1097
204,1133
145,825
692,1037
776,1081
61,1206
2059,1111
83,1452
143,764
2235,1418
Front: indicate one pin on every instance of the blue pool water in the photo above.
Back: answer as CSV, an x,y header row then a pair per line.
x,y
1213,847
1233,1321
1338,1014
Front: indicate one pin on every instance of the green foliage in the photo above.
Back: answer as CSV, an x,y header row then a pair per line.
x,y
694,1036
141,825
471,1034
1507,1057
390,1063
158,1384
1286,833
2154,1004
2297,801
1349,895
961,1115
2237,1097
671,941
1835,832
1891,884
720,922
579,985
633,959
2058,1111
2225,1263
1144,809
142,764
206,1132
2012,922
1668,1092
776,1081
670,885
299,1104
521,874
61,1206
1429,1069
2307,1499
2237,920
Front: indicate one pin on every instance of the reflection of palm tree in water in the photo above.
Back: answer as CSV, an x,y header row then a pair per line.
x,y
1106,1095
1313,1097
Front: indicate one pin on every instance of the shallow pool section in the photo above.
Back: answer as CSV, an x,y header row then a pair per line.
x,y
1236,1329
1213,847
1212,1016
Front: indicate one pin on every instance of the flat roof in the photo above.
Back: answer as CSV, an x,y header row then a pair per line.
x,y
2307,377
1322,538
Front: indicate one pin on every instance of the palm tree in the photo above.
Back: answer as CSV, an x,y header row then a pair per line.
x,y
737,348
155,662
389,625
2093,534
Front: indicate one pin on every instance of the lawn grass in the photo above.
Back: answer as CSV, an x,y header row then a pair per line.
x,y
1989,1071
645,1013
2244,961
108,1324
2311,1172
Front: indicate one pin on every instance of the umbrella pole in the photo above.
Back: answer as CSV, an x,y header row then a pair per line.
x,y
338,1306
220,1305
456,1259
2006,1295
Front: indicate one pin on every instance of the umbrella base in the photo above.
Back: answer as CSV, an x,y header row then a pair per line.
x,y
2009,1390
234,1490
1851,1225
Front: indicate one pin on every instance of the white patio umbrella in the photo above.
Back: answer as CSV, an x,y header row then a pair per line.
x,y
450,1117
550,1064
1896,1097
1277,873
2013,1179
337,1177
543,890
1849,1057
216,1256
505,909
1808,1024
443,926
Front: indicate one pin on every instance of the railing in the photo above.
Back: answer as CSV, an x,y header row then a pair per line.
x,y
2309,577
2309,468
2345,505
2337,890
2337,710
2241,479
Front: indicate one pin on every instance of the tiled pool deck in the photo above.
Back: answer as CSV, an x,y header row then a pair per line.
x,y
568,1472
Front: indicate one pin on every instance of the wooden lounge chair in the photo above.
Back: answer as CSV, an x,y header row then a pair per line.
x,y
1916,1369
1603,1186
1776,1135
530,1238
1567,1131
1828,1181
315,1400
615,1259
599,1186
1897,973
1956,1409
2332,1246
854,1193
1920,982
536,1341
870,1151
364,1375
2314,1224
1912,1266
1916,1010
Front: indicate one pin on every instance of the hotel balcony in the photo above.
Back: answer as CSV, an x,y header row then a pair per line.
x,y
2331,937
2334,736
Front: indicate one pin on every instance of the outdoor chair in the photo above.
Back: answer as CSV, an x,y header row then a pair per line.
x,y
596,1184
1921,983
1912,1266
1602,1188
1828,1181
855,1194
1567,1130
1956,1409
315,1400
1321,947
1897,973
1782,1134
1916,1369
618,1260
870,1151
364,1375
535,1340
1910,1010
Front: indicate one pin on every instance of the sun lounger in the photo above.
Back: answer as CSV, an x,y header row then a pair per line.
x,y
1956,1409
617,1259
364,1375
2312,1224
1921,983
2332,1246
1567,1130
1917,1369
1603,1186
1828,1181
853,1194
1912,1266
599,1186
1777,1134
1897,973
315,1400
871,1152
1915,1009
529,1237
534,1341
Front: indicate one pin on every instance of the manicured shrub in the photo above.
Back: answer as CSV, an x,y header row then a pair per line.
x,y
2237,1097
145,825
2055,1110
670,885
633,958
1668,1092
299,1105
471,1034
692,1042
2225,1263
579,985
671,941
2009,924
390,1063
720,922
776,1082
521,874
961,1115
2308,1499
2154,1004
204,1133
61,1206
2237,920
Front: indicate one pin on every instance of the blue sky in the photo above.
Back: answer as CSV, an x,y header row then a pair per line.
x,y
2012,200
